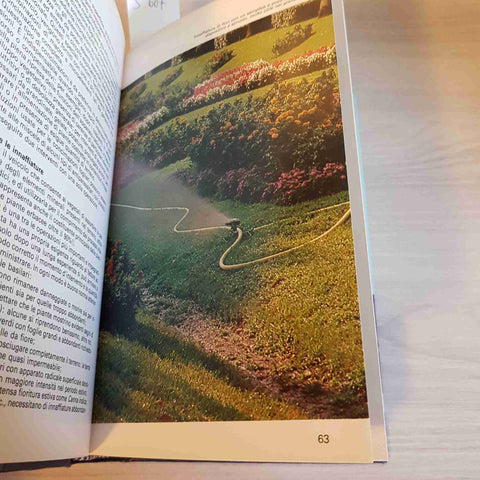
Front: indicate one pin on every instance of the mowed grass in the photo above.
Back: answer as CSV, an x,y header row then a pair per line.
x,y
160,377
256,47
303,304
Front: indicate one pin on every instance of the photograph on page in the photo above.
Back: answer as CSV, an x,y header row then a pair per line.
x,y
230,290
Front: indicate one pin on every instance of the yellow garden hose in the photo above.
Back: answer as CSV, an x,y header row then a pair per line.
x,y
221,262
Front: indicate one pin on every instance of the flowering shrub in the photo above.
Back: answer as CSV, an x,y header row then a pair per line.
x,y
299,185
171,143
247,146
220,42
152,121
291,39
121,290
148,103
245,185
219,86
217,60
229,137
171,77
306,62
160,147
136,129
127,130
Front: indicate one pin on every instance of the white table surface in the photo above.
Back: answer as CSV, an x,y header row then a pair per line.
x,y
416,77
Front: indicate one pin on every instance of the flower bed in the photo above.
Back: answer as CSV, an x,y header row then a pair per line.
x,y
248,76
138,128
254,150
223,84
257,74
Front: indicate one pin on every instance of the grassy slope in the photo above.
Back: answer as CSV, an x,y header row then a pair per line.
x,y
302,306
249,50
159,377
320,277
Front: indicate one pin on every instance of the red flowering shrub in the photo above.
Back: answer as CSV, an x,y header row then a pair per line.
x,y
218,60
121,291
171,77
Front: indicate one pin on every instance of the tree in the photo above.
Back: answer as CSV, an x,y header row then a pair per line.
x,y
325,8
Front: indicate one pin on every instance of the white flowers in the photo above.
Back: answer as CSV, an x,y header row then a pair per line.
x,y
148,123
257,74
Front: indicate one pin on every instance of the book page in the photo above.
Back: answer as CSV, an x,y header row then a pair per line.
x,y
60,72
235,296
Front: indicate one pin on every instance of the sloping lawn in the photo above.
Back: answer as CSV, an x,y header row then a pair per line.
x,y
247,50
308,297
160,377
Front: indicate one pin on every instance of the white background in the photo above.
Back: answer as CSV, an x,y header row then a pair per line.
x,y
416,77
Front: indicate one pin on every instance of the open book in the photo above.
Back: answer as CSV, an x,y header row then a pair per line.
x,y
190,284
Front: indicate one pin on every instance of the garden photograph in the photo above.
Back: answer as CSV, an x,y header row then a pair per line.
x,y
230,287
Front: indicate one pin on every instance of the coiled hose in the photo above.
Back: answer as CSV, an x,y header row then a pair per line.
x,y
238,231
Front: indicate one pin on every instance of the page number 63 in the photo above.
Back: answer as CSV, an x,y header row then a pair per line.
x,y
323,438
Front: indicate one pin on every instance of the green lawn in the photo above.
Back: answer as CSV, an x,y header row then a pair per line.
x,y
160,377
301,308
314,288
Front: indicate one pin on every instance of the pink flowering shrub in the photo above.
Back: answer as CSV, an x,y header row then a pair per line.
x,y
127,130
299,185
245,185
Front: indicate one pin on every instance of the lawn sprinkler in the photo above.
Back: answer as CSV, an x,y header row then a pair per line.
x,y
233,223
